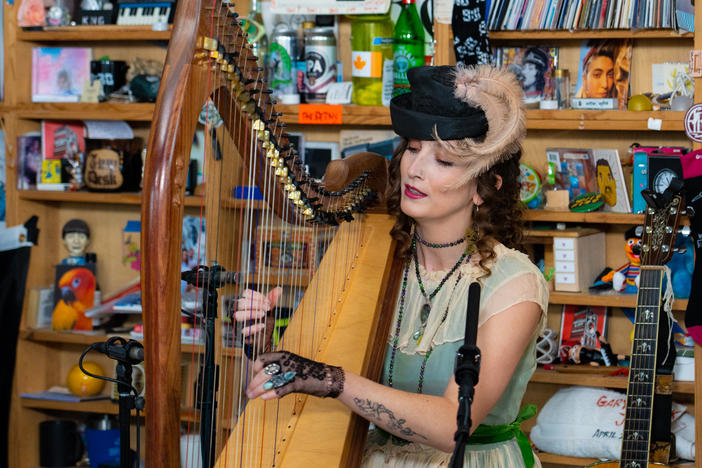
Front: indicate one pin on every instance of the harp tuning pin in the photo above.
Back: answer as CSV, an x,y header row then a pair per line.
x,y
281,171
280,162
249,107
308,212
289,187
210,44
214,54
289,180
294,195
258,124
270,154
300,203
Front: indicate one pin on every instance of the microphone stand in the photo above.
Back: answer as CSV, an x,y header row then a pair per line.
x,y
466,372
126,353
209,279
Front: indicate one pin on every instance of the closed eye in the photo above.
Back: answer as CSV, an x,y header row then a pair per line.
x,y
445,163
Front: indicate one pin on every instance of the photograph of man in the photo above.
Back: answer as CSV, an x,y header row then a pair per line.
x,y
533,67
606,182
536,63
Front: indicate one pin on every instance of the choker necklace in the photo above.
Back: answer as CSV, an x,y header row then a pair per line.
x,y
426,308
438,246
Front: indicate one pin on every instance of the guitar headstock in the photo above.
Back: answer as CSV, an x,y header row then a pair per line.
x,y
660,227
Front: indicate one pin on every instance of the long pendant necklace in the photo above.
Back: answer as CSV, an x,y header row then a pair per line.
x,y
396,339
426,308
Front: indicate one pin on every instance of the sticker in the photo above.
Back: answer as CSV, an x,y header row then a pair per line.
x,y
325,114
693,123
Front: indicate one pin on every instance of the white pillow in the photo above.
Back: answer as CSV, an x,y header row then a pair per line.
x,y
584,422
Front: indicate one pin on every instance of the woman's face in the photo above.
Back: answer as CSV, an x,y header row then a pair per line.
x,y
600,77
426,173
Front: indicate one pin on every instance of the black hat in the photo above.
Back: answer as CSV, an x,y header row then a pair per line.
x,y
536,56
75,225
431,103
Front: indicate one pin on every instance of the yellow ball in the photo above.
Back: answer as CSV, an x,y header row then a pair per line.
x,y
83,385
639,102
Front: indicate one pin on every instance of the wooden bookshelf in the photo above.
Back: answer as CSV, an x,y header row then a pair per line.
x,y
598,217
570,119
131,111
590,34
114,198
589,379
608,300
111,32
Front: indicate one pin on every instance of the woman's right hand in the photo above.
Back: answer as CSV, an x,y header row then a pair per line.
x,y
252,310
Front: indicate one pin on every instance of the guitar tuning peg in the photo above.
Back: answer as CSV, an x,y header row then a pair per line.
x,y
680,250
685,231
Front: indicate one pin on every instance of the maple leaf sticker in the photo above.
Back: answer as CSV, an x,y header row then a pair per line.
x,y
359,63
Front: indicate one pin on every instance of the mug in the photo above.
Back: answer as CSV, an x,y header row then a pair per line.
x,y
103,447
111,73
60,443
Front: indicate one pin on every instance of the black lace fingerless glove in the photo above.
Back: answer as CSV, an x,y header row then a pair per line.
x,y
292,373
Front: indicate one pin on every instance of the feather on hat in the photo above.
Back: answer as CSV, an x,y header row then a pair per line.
x,y
476,113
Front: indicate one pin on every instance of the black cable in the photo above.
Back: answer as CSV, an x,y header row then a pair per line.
x,y
137,398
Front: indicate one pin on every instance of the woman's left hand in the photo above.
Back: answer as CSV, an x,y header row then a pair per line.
x,y
279,373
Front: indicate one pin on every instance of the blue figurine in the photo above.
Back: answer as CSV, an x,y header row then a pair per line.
x,y
681,267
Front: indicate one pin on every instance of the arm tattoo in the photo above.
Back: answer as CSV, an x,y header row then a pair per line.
x,y
370,409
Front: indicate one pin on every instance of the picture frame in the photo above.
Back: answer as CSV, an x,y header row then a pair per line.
x,y
29,155
610,180
603,73
59,73
317,155
575,171
580,325
533,67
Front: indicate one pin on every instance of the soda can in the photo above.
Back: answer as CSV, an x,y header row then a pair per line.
x,y
281,63
320,63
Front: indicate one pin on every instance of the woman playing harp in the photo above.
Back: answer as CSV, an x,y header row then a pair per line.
x,y
455,196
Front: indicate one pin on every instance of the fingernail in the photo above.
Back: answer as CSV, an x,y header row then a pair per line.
x,y
268,385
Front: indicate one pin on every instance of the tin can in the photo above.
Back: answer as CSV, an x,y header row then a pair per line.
x,y
320,63
282,55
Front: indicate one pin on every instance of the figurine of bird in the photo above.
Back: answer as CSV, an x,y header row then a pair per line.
x,y
77,293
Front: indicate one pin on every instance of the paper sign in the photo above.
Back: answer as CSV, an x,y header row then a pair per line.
x,y
324,114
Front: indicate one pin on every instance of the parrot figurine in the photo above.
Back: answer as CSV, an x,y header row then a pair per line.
x,y
77,294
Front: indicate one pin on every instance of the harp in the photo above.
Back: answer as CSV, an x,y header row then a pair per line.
x,y
211,71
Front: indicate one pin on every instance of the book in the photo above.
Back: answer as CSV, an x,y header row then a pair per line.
x,y
603,71
29,159
61,394
580,326
575,170
59,73
62,139
610,180
533,66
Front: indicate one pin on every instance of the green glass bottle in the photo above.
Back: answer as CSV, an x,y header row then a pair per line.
x,y
409,45
253,26
372,65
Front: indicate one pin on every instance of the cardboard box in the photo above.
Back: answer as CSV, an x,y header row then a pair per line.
x,y
579,256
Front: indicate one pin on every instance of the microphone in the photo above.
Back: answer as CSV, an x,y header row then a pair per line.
x,y
129,352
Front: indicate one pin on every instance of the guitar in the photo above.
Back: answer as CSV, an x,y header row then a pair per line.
x,y
657,244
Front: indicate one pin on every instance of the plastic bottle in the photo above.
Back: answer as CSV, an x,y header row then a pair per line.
x,y
372,59
409,45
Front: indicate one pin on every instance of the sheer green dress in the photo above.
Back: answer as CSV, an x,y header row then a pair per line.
x,y
514,279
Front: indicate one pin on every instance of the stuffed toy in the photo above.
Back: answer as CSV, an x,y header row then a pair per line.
x,y
626,278
681,267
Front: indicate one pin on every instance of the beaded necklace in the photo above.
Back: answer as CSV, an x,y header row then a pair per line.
x,y
400,313
426,308
434,245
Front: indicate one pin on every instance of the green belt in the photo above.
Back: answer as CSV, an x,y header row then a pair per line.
x,y
491,434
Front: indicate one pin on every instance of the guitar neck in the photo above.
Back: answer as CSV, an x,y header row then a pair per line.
x,y
636,437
